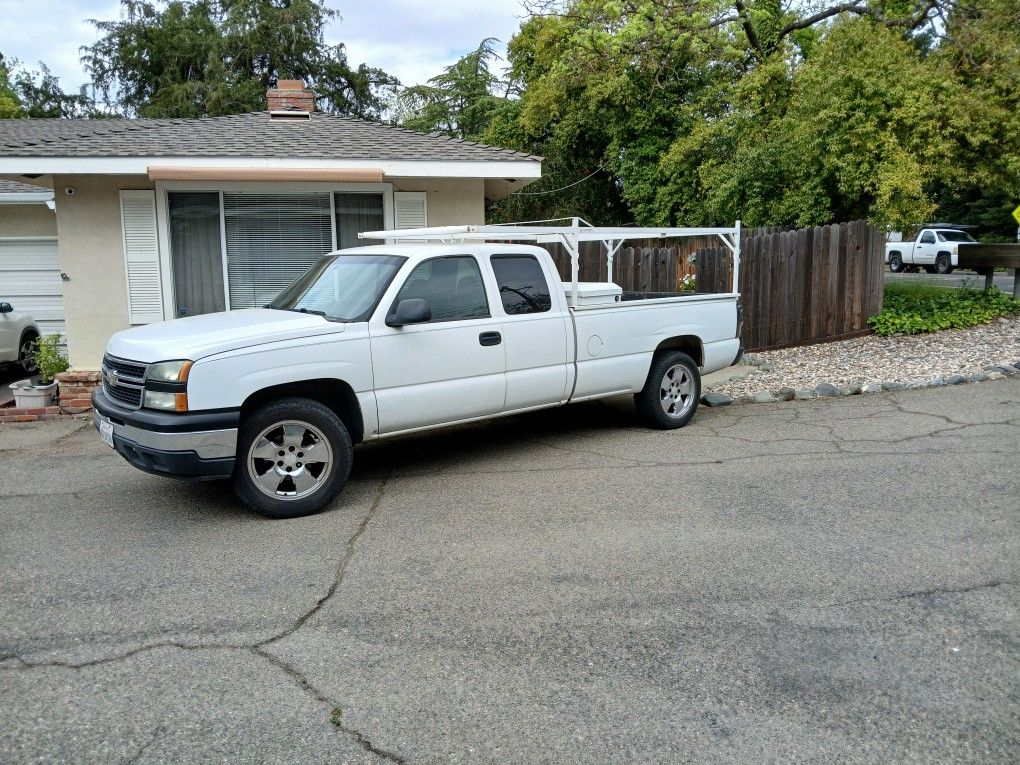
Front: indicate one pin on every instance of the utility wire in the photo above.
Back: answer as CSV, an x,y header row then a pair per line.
x,y
561,188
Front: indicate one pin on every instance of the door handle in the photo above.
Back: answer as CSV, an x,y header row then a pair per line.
x,y
490,338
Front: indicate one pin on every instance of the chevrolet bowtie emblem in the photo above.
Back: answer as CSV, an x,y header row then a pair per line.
x,y
112,378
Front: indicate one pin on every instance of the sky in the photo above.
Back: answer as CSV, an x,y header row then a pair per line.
x,y
411,39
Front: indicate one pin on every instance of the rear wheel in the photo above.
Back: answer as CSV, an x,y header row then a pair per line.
x,y
895,263
293,458
943,264
671,393
26,351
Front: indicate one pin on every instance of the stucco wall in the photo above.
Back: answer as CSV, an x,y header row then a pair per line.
x,y
450,202
27,220
92,255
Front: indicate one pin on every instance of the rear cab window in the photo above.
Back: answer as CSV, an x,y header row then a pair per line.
x,y
523,288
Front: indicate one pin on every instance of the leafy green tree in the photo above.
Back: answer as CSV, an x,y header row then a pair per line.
x,y
189,58
460,102
10,104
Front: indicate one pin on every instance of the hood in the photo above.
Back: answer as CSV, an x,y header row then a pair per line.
x,y
195,337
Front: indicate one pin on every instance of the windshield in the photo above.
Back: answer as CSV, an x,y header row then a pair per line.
x,y
341,287
954,236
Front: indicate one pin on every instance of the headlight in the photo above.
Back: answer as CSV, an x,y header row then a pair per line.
x,y
168,401
169,371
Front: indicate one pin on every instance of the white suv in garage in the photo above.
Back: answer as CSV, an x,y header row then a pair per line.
x,y
18,336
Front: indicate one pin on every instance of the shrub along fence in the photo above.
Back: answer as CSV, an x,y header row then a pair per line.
x,y
797,287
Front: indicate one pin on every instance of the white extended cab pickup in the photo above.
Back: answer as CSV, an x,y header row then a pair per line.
x,y
387,339
936,250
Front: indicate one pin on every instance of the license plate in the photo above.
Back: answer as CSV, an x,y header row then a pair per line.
x,y
106,432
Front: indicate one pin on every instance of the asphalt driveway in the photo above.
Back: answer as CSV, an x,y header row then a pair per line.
x,y
808,581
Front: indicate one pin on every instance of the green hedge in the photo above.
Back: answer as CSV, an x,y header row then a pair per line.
x,y
917,307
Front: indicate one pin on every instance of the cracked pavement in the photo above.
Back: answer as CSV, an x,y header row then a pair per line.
x,y
833,579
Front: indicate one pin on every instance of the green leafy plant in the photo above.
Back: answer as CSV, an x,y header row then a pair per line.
x,y
912,308
49,358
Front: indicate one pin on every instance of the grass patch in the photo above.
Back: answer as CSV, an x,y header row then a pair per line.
x,y
915,307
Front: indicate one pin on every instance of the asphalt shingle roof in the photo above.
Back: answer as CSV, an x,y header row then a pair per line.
x,y
16,187
321,136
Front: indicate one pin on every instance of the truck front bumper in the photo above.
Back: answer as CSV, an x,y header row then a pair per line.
x,y
196,446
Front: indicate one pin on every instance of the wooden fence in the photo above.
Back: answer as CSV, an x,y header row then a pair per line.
x,y
797,286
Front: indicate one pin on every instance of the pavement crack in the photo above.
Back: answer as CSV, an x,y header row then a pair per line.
x,y
921,594
61,664
341,571
316,693
145,747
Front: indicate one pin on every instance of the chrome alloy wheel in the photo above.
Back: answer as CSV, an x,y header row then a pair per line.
x,y
676,391
25,356
290,460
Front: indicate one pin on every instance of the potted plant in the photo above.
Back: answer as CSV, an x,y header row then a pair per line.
x,y
51,361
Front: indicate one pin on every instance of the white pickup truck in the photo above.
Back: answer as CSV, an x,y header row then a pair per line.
x,y
937,250
388,339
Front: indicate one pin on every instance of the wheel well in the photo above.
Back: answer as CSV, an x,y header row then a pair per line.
x,y
689,344
947,254
28,332
894,252
336,394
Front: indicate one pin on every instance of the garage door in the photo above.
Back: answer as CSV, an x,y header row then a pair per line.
x,y
30,280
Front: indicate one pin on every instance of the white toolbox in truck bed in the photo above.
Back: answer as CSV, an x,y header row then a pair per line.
x,y
591,294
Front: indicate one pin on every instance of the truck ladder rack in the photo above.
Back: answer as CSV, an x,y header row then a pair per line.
x,y
570,236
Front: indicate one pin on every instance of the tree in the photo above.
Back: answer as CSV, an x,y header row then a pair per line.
x,y
37,93
460,102
10,104
189,58
701,111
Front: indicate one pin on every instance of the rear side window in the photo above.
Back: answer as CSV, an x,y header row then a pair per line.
x,y
452,286
522,285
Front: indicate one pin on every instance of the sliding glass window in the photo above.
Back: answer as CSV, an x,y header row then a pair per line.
x,y
356,213
271,240
196,252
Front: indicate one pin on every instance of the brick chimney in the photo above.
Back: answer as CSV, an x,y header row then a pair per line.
x,y
290,95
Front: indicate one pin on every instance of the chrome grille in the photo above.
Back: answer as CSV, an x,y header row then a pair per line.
x,y
124,380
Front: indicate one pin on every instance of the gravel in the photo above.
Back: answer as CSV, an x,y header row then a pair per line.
x,y
894,363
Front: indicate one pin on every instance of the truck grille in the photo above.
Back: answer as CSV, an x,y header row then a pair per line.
x,y
124,380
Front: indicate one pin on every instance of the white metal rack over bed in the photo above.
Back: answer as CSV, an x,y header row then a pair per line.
x,y
570,236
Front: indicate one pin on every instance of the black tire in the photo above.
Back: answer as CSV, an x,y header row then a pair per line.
x,y
25,348
662,403
929,269
307,422
943,265
895,263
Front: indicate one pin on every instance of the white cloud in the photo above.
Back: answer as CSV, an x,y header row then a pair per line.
x,y
411,39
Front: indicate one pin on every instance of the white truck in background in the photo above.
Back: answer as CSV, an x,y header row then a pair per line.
x,y
936,250
437,327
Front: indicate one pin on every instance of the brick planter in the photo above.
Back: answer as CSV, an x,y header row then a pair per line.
x,y
76,388
13,414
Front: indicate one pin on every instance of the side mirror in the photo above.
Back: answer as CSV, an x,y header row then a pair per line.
x,y
410,311
6,308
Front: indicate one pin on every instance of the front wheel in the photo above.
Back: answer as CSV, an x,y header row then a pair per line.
x,y
671,393
895,263
293,458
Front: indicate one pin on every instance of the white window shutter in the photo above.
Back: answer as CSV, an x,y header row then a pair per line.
x,y
409,210
141,256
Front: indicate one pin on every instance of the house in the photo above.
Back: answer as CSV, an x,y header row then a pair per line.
x,y
160,218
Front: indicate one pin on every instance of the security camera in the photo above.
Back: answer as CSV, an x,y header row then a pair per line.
x,y
69,190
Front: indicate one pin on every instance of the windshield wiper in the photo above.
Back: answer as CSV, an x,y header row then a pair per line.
x,y
307,310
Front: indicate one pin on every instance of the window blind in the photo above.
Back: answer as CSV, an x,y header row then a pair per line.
x,y
271,240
